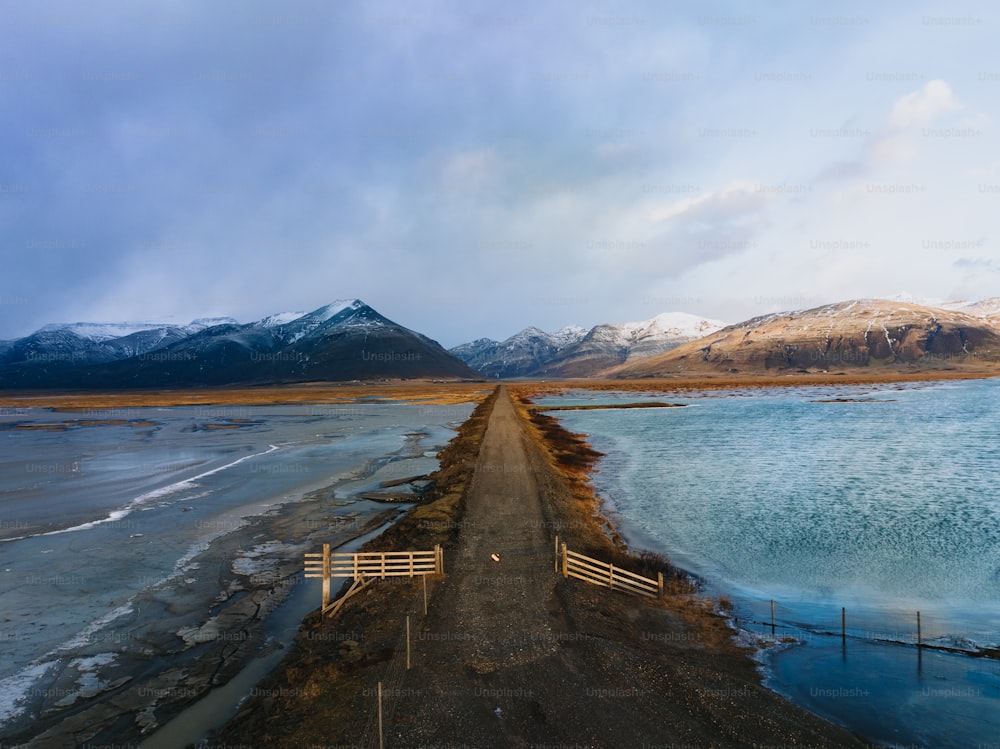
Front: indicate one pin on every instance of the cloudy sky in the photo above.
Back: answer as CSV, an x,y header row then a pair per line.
x,y
469,168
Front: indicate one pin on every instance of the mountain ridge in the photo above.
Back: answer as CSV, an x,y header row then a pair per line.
x,y
852,334
345,340
577,352
348,340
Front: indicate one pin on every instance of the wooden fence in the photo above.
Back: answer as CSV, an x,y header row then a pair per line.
x,y
369,565
596,572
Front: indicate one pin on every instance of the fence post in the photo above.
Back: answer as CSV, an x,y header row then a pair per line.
x,y
772,616
557,552
381,743
326,576
565,562
407,643
425,594
611,576
659,583
918,630
843,625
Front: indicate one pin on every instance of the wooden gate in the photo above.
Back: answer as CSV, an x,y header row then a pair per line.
x,y
596,572
369,565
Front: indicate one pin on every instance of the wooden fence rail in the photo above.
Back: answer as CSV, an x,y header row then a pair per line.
x,y
596,572
368,565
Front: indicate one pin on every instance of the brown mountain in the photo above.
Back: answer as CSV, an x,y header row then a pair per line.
x,y
868,334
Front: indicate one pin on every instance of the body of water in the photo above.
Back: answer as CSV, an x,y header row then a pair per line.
x,y
104,509
867,503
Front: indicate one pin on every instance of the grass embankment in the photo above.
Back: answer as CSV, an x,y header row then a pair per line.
x,y
579,519
318,694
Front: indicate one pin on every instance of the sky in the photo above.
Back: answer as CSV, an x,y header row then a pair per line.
x,y
471,168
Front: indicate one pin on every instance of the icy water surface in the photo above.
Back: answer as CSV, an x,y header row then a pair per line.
x,y
97,508
875,501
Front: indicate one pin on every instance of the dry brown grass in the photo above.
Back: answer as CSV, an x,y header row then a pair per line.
x,y
422,392
434,392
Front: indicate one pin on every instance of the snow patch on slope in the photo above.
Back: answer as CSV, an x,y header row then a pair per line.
x,y
103,331
281,318
99,332
665,326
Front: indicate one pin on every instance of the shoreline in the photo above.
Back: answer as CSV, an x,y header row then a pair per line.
x,y
539,387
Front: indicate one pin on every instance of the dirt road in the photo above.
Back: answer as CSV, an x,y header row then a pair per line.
x,y
512,655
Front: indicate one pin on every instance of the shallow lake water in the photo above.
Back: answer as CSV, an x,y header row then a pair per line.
x,y
871,502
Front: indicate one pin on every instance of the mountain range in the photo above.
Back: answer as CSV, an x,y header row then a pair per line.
x,y
345,340
348,340
577,352
872,334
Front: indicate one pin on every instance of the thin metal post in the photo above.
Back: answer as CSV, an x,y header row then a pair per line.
x,y
425,594
843,625
407,643
772,616
919,637
381,742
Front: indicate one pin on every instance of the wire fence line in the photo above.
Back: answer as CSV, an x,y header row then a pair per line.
x,y
910,632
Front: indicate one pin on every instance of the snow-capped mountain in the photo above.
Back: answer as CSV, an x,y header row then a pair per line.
x,y
610,344
106,331
868,333
574,352
94,343
521,354
293,326
342,341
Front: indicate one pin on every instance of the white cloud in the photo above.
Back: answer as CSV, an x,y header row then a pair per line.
x,y
470,169
891,148
892,144
735,199
932,99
